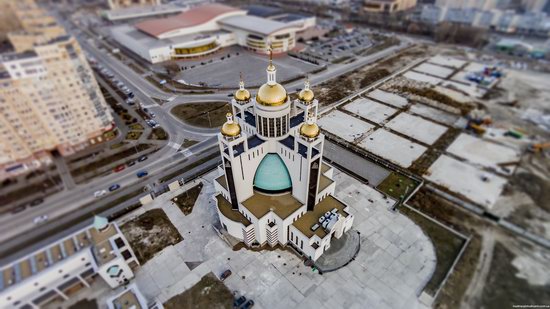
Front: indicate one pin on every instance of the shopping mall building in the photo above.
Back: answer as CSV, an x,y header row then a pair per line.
x,y
205,29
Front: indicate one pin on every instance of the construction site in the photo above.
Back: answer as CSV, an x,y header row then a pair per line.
x,y
475,136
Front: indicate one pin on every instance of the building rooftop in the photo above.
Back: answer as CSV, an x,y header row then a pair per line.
x,y
283,205
263,11
140,11
310,218
225,208
190,18
324,182
251,24
221,180
127,300
272,175
325,167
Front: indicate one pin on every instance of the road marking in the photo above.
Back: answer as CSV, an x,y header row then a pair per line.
x,y
174,145
186,152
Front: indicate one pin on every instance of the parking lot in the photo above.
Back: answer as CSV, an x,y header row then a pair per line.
x,y
338,47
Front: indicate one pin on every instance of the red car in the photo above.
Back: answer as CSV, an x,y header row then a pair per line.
x,y
119,168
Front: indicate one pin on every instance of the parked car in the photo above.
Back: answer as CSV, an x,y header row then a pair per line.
x,y
142,158
99,193
225,274
239,301
114,187
141,174
18,209
152,115
119,168
249,304
36,202
40,219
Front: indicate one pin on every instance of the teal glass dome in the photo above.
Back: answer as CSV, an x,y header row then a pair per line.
x,y
272,175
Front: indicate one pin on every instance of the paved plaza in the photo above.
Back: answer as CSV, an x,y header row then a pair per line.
x,y
395,261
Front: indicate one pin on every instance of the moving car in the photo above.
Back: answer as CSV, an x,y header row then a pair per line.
x,y
36,202
114,187
141,174
18,209
40,219
100,193
119,168
142,158
131,163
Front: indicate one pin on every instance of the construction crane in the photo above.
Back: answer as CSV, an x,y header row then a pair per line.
x,y
536,148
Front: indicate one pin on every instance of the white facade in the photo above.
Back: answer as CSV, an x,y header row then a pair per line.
x,y
52,272
274,186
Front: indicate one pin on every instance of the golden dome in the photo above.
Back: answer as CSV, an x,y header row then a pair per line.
x,y
230,128
271,95
306,95
242,95
310,130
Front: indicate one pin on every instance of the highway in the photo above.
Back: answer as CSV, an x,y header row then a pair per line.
x,y
19,228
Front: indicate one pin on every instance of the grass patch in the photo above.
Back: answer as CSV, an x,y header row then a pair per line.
x,y
136,127
158,134
117,145
447,246
187,143
94,166
397,186
209,292
133,135
187,199
204,115
149,233
109,135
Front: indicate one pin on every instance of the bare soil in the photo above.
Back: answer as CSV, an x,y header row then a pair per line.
x,y
209,293
187,199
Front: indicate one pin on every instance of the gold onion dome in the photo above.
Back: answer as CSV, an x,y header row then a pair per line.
x,y
242,94
306,95
271,95
310,129
230,128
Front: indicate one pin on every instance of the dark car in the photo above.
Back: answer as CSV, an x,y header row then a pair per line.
x,y
141,174
18,209
239,301
249,304
142,158
225,275
114,187
36,202
131,163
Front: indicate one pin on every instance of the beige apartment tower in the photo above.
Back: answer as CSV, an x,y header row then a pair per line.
x,y
49,98
388,6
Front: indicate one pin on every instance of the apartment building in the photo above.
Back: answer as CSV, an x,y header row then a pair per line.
x,y
388,6
58,270
118,4
49,98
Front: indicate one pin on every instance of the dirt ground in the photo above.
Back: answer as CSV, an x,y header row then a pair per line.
x,y
209,293
149,233
187,199
204,115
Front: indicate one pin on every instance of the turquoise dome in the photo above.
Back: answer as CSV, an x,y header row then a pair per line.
x,y
272,175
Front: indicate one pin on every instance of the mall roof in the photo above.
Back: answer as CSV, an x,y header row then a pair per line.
x,y
263,11
252,24
190,18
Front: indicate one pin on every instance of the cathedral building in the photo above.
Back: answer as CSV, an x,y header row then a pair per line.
x,y
275,188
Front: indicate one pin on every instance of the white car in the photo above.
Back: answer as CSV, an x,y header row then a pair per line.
x,y
40,219
100,193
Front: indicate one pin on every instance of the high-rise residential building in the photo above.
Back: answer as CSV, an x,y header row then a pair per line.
x,y
49,99
118,4
388,6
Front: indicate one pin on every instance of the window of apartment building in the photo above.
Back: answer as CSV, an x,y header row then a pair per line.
x,y
126,254
119,242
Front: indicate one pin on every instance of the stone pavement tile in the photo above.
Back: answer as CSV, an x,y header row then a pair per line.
x,y
300,280
259,276
382,242
281,294
240,261
366,228
388,234
378,263
373,299
387,294
396,284
312,302
393,250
